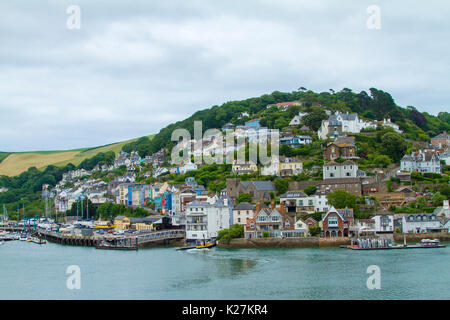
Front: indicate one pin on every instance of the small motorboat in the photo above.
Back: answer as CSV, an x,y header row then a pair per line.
x,y
206,245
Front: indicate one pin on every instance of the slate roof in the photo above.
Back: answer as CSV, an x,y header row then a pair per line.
x,y
244,206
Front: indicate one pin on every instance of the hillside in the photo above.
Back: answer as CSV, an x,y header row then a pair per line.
x,y
374,105
16,163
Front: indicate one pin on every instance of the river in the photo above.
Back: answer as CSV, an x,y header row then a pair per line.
x,y
31,271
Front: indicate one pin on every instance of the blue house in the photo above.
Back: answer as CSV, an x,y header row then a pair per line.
x,y
253,123
295,141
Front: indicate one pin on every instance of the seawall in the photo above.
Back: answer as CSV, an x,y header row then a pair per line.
x,y
416,237
307,242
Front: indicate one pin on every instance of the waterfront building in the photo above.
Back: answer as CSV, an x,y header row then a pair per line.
x,y
242,212
204,220
271,221
384,223
337,223
122,223
421,222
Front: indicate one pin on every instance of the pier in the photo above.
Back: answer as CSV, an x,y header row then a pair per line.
x,y
164,237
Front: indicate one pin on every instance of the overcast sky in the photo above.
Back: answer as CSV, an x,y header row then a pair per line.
x,y
135,66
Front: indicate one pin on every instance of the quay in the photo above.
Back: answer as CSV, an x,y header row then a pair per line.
x,y
164,237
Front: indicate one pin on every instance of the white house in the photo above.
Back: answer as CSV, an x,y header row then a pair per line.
x,y
188,167
321,201
350,122
388,123
301,227
297,119
204,220
445,157
443,211
421,222
425,160
384,223
334,170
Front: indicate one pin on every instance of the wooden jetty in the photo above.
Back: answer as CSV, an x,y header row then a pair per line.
x,y
164,237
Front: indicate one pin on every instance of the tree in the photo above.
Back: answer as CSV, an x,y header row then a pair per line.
x,y
281,185
314,231
310,190
438,198
342,199
235,231
244,197
420,202
382,161
314,119
393,145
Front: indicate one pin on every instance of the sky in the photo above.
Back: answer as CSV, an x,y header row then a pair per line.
x,y
133,67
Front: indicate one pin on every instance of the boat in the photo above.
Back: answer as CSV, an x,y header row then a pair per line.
x,y
37,240
103,244
104,225
386,244
186,247
206,245
23,237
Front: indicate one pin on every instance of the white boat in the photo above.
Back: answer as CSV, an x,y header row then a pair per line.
x,y
23,237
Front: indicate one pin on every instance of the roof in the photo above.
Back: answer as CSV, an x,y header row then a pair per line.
x,y
263,185
290,103
244,206
294,194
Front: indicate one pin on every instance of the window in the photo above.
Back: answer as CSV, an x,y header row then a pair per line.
x,y
333,221
239,219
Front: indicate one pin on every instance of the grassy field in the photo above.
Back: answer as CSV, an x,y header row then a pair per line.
x,y
16,163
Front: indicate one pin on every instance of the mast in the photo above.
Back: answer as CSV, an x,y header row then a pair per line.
x,y
87,208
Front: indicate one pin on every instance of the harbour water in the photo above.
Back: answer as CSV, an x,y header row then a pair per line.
x,y
31,271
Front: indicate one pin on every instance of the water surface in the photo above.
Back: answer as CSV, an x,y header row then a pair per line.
x,y
30,271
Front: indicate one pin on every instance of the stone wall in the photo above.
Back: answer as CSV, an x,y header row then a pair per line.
x,y
307,242
416,237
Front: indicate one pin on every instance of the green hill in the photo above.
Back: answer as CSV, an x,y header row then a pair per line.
x,y
14,163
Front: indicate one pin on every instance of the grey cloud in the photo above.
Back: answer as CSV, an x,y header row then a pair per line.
x,y
134,67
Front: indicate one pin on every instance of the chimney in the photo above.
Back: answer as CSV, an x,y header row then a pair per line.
x,y
446,206
272,205
282,209
258,207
